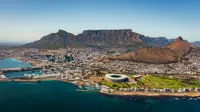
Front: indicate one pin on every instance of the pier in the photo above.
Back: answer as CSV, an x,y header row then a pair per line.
x,y
80,90
20,69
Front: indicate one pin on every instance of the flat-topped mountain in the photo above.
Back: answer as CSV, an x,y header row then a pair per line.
x,y
110,38
173,52
103,38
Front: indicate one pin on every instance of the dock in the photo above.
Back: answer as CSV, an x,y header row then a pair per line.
x,y
81,90
20,69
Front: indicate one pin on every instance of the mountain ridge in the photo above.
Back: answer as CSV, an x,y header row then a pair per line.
x,y
98,38
106,38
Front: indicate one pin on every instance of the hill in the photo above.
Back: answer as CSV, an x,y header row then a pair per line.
x,y
173,52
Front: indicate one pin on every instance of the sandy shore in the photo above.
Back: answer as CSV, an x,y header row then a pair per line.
x,y
186,94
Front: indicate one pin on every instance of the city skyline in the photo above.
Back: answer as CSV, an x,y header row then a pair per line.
x,y
27,21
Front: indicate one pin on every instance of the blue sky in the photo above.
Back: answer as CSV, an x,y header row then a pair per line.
x,y
29,20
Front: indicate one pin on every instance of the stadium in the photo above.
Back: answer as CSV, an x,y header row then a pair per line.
x,y
116,77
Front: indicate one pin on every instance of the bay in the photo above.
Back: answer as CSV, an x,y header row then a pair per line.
x,y
12,63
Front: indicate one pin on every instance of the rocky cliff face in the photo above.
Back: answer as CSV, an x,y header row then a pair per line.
x,y
158,41
109,37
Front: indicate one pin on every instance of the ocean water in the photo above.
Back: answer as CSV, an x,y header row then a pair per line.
x,y
17,74
12,63
55,96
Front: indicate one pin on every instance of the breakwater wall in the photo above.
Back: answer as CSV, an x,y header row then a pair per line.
x,y
20,69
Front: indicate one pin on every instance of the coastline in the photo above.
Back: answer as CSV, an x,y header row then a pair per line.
x,y
25,60
154,94
149,94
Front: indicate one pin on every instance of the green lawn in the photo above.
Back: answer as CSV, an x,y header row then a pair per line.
x,y
118,85
166,82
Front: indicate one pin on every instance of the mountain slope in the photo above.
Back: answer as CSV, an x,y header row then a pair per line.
x,y
52,41
168,54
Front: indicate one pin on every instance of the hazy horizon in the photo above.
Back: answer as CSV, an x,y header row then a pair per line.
x,y
28,20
